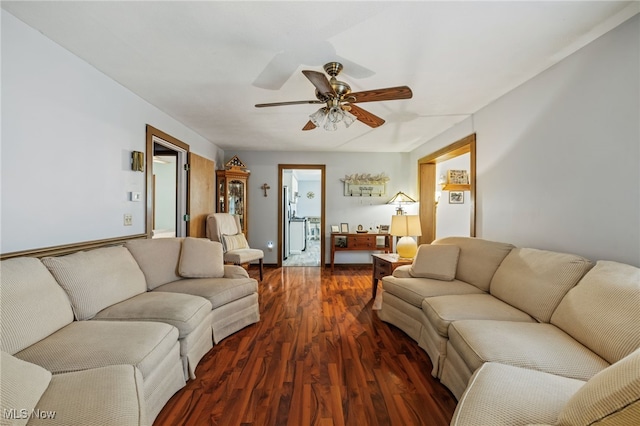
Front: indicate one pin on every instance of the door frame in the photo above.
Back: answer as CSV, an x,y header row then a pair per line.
x,y
322,168
427,185
158,136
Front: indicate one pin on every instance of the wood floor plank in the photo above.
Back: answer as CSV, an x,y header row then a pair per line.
x,y
319,356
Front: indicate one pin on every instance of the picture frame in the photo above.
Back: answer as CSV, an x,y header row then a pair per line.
x,y
456,197
340,241
344,228
384,229
335,229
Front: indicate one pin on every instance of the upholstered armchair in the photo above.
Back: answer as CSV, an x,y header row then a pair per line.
x,y
225,228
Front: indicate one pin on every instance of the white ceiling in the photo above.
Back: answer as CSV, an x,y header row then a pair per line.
x,y
207,63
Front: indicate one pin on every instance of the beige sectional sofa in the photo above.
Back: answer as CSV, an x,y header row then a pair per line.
x,y
522,328
143,315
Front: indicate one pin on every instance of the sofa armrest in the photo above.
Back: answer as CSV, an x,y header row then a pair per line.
x,y
402,271
235,271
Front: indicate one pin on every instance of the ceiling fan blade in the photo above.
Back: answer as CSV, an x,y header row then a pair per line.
x,y
366,117
309,126
320,81
388,94
314,101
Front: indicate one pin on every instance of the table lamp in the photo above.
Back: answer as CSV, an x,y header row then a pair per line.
x,y
406,226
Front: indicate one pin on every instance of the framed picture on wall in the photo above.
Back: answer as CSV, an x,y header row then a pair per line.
x,y
456,197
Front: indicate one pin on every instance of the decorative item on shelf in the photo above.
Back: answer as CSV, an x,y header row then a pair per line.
x,y
456,180
365,185
401,199
235,164
383,229
361,230
335,229
344,228
406,227
137,161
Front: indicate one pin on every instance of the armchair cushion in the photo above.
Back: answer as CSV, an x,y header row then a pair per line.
x,y
233,242
436,261
201,258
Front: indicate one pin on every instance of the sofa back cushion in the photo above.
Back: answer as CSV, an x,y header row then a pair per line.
x,y
158,258
478,259
97,279
611,397
32,304
602,311
22,384
535,281
201,258
435,261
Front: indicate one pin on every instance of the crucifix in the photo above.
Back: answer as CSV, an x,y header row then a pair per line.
x,y
264,187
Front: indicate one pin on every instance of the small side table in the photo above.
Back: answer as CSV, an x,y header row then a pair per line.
x,y
383,265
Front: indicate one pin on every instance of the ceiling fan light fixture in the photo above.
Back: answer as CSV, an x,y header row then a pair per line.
x,y
318,117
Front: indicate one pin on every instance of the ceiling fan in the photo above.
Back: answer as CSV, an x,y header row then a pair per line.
x,y
340,101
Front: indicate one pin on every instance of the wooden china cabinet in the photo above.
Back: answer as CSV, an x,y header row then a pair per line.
x,y
232,191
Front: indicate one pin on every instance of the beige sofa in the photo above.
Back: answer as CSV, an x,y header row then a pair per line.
x,y
522,322
94,309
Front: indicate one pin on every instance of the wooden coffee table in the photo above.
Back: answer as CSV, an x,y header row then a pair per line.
x,y
383,265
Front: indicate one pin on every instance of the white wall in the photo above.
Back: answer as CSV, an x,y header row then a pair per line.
x,y
453,219
368,211
67,136
558,158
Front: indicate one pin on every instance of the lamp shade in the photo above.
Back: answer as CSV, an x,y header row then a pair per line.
x,y
406,226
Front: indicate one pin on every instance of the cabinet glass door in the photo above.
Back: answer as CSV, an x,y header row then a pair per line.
x,y
236,199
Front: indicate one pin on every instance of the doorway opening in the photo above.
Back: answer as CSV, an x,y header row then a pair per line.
x,y
301,204
166,185
432,193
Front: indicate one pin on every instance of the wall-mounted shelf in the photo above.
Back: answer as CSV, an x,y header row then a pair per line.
x,y
456,187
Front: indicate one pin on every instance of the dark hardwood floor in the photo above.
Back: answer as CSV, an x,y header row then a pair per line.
x,y
318,356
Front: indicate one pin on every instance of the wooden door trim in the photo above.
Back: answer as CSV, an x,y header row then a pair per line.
x,y
150,133
426,185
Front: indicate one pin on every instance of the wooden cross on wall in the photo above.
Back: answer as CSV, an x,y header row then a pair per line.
x,y
264,187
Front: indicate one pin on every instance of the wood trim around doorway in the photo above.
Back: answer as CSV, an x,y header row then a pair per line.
x,y
427,185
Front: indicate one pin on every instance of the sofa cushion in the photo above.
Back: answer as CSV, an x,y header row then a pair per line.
x,y
442,310
478,259
183,311
435,261
158,258
111,395
21,386
503,395
537,346
535,281
98,278
601,311
611,397
218,291
201,258
414,290
233,242
32,303
91,344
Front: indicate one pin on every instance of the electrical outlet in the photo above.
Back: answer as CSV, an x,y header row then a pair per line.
x,y
128,219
